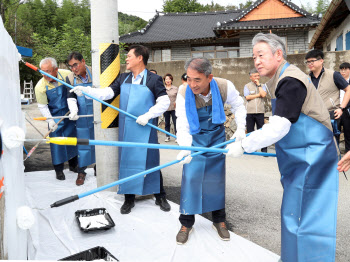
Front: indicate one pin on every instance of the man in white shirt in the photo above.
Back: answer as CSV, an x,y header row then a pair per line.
x,y
141,94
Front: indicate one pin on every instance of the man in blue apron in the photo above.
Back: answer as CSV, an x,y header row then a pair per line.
x,y
80,105
328,83
52,101
306,155
201,116
142,94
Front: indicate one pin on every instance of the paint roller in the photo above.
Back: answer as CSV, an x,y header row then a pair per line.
x,y
92,97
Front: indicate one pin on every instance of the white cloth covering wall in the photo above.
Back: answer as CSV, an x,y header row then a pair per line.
x,y
11,162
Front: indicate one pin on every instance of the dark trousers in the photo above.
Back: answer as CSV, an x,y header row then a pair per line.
x,y
167,115
73,162
161,194
345,123
257,119
188,220
82,169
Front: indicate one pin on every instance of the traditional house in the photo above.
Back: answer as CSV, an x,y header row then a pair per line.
x,y
333,33
224,34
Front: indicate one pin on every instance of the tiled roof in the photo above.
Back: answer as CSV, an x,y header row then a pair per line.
x,y
171,27
181,26
271,23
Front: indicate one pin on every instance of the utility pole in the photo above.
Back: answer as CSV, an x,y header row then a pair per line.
x,y
104,29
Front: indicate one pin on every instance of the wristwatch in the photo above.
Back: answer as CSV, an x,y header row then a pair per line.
x,y
259,85
342,108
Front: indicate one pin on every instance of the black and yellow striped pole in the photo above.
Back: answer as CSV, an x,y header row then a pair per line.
x,y
109,71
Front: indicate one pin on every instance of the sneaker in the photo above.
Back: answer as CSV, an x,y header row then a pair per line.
x,y
182,236
222,230
167,139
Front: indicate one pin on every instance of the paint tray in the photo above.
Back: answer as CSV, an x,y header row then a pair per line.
x,y
96,253
94,219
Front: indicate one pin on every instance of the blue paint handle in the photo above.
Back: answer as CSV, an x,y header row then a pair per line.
x,y
25,151
106,104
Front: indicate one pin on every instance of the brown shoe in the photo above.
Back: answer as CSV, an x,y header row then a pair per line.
x,y
80,179
182,236
222,230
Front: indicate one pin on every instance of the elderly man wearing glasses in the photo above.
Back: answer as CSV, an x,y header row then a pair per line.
x,y
328,83
52,101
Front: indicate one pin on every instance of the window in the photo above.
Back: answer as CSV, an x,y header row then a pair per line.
x,y
161,55
213,51
339,43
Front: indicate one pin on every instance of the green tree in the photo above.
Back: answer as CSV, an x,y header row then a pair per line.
x,y
182,6
321,7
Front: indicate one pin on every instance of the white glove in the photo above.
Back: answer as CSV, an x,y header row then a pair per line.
x,y
52,125
78,90
239,134
235,149
143,119
182,154
73,116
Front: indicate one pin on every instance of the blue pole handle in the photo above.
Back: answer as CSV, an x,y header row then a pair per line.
x,y
106,104
171,147
146,172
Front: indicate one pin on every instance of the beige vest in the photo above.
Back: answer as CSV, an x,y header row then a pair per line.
x,y
222,84
313,105
256,105
71,77
328,90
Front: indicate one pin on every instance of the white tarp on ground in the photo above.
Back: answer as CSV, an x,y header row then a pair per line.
x,y
146,234
11,162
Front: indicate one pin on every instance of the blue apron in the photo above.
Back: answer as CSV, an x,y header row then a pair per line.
x,y
57,98
137,100
85,127
203,179
307,160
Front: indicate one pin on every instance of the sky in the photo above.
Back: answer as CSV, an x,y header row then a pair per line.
x,y
147,9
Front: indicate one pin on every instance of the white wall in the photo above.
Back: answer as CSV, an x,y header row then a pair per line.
x,y
11,162
342,29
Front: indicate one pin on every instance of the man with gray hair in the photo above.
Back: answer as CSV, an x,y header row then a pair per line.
x,y
306,155
200,120
52,101
254,93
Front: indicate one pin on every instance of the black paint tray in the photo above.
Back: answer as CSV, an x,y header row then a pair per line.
x,y
91,254
95,216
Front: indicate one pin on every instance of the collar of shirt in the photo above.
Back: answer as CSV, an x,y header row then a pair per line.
x,y
207,97
319,76
138,78
84,79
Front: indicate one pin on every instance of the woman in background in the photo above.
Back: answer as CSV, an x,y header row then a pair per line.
x,y
172,93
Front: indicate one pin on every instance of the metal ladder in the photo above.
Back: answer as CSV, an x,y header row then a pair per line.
x,y
28,91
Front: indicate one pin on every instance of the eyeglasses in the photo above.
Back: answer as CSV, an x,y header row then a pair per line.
x,y
310,62
73,66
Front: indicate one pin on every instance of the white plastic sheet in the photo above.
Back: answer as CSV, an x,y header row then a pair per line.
x,y
146,234
11,163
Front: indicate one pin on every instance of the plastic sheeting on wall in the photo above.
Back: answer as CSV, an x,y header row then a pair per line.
x,y
11,162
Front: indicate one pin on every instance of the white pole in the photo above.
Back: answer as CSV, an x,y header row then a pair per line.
x,y
104,29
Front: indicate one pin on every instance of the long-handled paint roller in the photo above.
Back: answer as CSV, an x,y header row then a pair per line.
x,y
31,151
72,141
99,100
58,117
124,180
